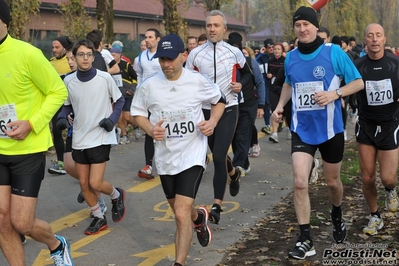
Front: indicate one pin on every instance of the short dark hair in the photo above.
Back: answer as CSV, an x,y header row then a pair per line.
x,y
325,30
336,40
69,48
83,42
157,33
96,37
345,39
352,38
191,37
202,37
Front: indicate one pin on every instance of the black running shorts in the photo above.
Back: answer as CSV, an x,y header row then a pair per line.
x,y
24,173
185,183
382,137
99,154
332,151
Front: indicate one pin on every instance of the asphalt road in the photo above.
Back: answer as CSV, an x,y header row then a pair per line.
x,y
145,236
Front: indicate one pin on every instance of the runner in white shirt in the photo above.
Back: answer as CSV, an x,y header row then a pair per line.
x,y
174,97
143,47
147,66
89,94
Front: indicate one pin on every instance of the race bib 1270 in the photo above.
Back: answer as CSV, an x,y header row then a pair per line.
x,y
379,92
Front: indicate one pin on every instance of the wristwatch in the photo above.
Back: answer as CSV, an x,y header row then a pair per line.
x,y
339,93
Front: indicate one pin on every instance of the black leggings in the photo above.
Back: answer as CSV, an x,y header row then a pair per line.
x,y
254,138
149,149
57,138
219,144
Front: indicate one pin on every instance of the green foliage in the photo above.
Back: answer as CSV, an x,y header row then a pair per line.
x,y
77,23
21,11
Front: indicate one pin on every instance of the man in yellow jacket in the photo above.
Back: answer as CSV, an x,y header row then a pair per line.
x,y
61,65
30,93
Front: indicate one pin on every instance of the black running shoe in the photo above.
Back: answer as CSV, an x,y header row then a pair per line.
x,y
204,232
234,186
118,206
214,215
80,198
339,230
97,225
302,249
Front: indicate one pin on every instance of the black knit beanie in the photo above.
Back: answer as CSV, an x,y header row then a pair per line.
x,y
4,13
64,40
235,39
306,13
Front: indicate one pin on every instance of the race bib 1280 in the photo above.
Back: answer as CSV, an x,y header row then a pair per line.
x,y
304,95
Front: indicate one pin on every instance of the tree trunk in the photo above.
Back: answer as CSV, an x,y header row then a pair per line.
x,y
105,19
171,16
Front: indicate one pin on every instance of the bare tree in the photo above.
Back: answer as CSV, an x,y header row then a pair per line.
x,y
105,19
21,11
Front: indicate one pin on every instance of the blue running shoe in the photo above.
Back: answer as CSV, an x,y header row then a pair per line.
x,y
63,257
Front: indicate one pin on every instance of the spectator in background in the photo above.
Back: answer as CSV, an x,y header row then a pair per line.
x,y
250,106
263,61
256,51
276,62
202,39
346,47
191,43
96,37
254,150
388,48
143,47
60,63
127,82
355,47
286,48
324,33
336,40
119,44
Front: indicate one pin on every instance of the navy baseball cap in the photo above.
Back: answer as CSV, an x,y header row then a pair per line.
x,y
170,46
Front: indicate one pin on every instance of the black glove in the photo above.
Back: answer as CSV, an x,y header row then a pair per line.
x,y
62,123
107,124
